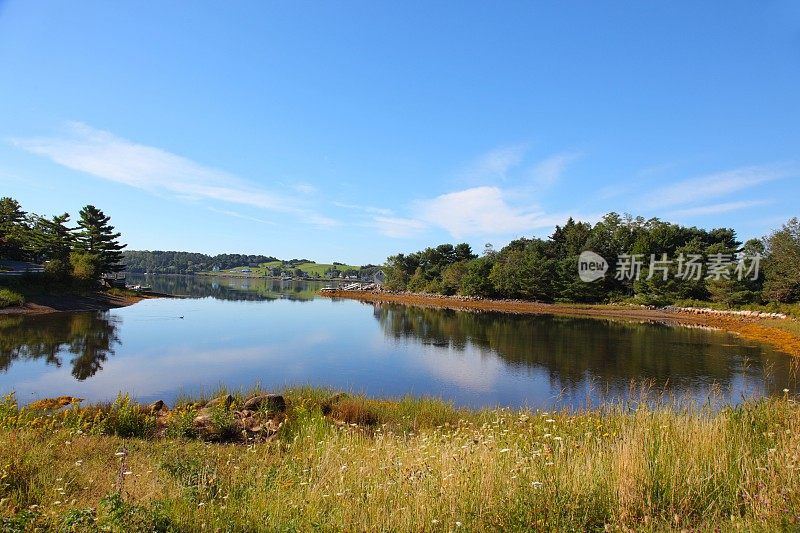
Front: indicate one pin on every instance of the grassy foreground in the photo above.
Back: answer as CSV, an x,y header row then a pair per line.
x,y
340,462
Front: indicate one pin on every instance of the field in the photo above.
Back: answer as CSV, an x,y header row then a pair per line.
x,y
348,463
312,269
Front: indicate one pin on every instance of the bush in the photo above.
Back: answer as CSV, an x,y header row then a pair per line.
x,y
180,423
223,422
85,267
9,298
126,419
57,269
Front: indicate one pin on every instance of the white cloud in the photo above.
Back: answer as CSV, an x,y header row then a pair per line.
x,y
716,209
240,215
715,185
548,172
481,211
398,227
304,188
366,208
109,157
496,163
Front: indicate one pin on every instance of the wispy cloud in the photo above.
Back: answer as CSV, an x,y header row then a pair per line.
x,y
716,209
304,188
548,172
398,227
495,164
365,208
481,211
716,185
109,157
236,214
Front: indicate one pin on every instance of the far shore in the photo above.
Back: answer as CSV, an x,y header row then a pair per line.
x,y
761,330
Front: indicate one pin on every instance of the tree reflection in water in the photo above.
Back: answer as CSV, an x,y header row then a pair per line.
x,y
90,337
607,354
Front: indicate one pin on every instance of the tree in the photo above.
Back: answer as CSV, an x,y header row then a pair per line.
x,y
96,237
525,273
452,276
13,229
782,267
475,281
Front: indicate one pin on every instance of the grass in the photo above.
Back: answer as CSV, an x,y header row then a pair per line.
x,y
350,463
10,298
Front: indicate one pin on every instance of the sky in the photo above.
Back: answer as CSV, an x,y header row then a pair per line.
x,y
350,131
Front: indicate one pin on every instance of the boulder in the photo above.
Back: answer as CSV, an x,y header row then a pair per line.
x,y
157,406
225,401
270,402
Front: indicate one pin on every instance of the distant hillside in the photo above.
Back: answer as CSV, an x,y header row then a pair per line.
x,y
170,262
296,267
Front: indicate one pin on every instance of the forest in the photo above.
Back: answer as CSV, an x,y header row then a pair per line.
x,y
649,259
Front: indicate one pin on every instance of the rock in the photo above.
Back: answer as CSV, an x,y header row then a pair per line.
x,y
250,424
225,401
155,407
270,402
327,405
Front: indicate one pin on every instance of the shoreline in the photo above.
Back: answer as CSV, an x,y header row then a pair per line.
x,y
750,328
74,303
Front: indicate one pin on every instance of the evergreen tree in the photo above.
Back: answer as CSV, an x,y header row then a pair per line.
x,y
96,237
13,230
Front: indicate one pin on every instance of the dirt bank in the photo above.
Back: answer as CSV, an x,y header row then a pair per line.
x,y
750,328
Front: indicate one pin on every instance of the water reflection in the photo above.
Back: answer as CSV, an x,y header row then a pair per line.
x,y
89,337
230,288
607,354
193,345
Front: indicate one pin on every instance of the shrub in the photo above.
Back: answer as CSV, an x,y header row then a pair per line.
x,y
180,423
85,267
57,269
223,422
126,419
9,298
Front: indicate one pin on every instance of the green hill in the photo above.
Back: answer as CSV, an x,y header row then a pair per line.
x,y
309,267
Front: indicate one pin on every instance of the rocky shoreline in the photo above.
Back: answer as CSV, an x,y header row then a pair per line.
x,y
257,418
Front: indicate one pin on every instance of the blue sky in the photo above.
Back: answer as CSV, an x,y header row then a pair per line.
x,y
352,130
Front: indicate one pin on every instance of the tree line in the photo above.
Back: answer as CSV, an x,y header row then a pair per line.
x,y
83,252
170,262
757,271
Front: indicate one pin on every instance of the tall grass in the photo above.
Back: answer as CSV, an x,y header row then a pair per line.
x,y
350,463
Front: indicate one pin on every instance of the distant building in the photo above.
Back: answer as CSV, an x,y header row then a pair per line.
x,y
379,278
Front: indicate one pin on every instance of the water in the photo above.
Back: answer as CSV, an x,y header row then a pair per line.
x,y
239,332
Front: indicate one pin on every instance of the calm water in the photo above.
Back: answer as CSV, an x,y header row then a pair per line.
x,y
239,332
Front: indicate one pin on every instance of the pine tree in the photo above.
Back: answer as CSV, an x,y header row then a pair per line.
x,y
96,237
13,229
